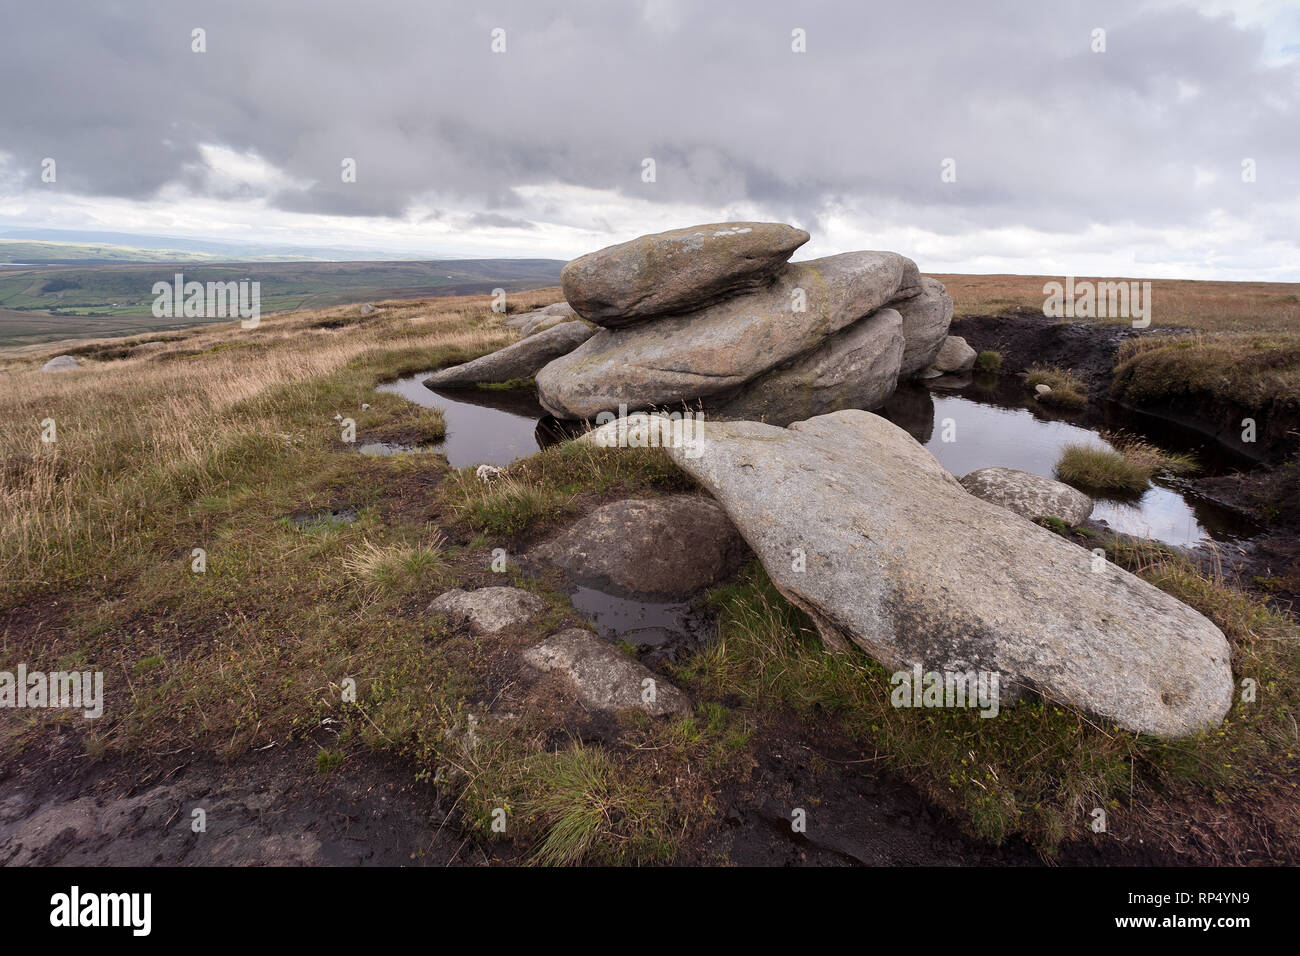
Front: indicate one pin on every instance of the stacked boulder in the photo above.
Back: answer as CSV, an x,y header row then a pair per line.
x,y
717,315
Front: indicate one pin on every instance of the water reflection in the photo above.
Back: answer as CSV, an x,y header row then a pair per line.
x,y
990,421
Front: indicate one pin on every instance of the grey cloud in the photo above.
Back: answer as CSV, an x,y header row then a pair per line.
x,y
1044,132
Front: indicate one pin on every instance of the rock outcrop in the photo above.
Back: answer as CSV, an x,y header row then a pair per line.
x,y
521,359
926,318
1032,496
862,528
718,349
715,316
855,368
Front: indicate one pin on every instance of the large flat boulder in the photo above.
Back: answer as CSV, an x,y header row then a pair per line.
x,y
682,358
926,318
902,561
604,677
854,368
1029,495
521,359
663,547
677,271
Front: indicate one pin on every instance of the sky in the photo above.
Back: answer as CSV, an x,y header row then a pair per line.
x,y
973,137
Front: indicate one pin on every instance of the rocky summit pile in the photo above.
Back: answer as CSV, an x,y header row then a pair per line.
x,y
717,316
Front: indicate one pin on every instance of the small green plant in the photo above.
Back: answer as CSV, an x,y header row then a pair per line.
x,y
328,760
989,361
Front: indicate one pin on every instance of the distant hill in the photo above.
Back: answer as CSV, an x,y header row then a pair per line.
x,y
52,302
33,246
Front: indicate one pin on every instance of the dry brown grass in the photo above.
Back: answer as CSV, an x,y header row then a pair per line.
x,y
137,434
1227,306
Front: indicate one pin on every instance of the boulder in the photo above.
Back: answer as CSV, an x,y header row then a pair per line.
x,y
528,322
604,677
488,610
1032,496
926,318
716,350
682,270
954,356
855,368
521,359
666,547
900,560
368,309
61,363
637,430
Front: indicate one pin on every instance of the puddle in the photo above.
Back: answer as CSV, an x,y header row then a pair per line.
x,y
484,426
998,425
995,423
385,449
661,631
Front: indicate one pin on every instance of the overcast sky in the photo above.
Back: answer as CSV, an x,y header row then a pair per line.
x,y
1124,162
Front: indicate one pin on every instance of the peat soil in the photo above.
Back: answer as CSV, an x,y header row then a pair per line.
x,y
271,808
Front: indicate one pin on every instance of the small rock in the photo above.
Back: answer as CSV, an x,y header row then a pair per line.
x,y
954,356
605,678
486,473
368,309
61,363
1032,496
488,610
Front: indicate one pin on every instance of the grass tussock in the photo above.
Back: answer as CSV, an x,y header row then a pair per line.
x,y
1125,469
1067,389
989,361
1038,769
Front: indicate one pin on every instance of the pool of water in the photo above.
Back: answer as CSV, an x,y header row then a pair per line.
x,y
976,424
483,426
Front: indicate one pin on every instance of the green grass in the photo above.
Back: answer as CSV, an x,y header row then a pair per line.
x,y
1067,389
535,493
1038,769
989,361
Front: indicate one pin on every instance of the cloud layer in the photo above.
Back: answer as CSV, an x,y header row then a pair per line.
x,y
1127,161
